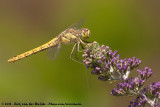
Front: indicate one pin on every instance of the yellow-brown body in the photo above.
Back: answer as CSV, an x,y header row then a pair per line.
x,y
68,36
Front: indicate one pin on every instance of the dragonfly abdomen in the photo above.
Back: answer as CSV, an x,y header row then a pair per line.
x,y
47,45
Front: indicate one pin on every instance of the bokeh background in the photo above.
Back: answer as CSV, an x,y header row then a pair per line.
x,y
130,26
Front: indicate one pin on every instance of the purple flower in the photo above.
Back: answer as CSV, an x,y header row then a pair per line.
x,y
146,73
149,95
108,66
109,62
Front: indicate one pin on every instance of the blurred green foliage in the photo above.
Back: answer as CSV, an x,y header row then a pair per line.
x,y
132,27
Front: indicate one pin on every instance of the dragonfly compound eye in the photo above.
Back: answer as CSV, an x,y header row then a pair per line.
x,y
85,33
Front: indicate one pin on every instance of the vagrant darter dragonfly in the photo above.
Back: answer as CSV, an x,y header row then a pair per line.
x,y
73,34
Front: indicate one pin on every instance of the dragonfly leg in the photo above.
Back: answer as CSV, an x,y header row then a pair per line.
x,y
79,43
82,46
78,46
75,49
76,55
86,41
83,42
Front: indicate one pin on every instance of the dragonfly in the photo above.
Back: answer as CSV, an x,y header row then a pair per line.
x,y
73,34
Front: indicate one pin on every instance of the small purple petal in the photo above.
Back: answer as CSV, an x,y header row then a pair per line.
x,y
97,68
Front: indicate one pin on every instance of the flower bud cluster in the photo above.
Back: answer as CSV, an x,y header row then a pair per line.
x,y
145,74
140,101
149,95
107,64
131,86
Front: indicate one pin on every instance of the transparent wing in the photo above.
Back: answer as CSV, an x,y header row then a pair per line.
x,y
53,52
78,24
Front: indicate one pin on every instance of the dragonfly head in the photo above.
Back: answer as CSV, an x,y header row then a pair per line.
x,y
85,33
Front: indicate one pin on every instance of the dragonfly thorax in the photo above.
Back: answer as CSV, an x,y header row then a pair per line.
x,y
85,33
